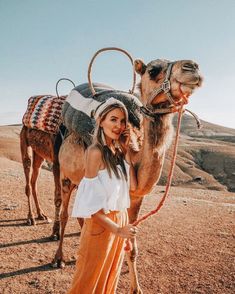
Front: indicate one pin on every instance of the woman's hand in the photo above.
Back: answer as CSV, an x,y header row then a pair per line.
x,y
125,139
127,232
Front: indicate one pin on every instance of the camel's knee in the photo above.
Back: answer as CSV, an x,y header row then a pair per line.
x,y
27,163
57,203
66,183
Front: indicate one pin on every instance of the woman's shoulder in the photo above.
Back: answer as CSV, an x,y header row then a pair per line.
x,y
93,161
94,153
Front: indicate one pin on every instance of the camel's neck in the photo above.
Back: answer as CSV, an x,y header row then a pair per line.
x,y
158,134
157,138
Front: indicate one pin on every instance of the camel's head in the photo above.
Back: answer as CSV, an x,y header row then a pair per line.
x,y
183,77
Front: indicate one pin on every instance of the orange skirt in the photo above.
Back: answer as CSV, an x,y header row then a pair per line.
x,y
100,257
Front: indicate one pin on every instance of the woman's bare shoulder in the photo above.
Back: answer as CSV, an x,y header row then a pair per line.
x,y
94,152
93,161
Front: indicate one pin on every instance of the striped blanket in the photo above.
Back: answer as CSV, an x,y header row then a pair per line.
x,y
44,113
79,105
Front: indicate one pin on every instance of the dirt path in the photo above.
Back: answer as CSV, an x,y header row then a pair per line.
x,y
187,248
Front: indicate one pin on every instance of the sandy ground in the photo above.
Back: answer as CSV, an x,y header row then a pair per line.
x,y
187,248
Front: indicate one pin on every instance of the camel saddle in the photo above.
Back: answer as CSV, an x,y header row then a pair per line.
x,y
44,113
80,104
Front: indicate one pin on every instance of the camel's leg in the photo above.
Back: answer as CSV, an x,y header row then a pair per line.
x,y
26,154
57,201
132,255
66,190
131,260
37,162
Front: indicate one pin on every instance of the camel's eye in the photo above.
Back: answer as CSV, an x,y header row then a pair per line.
x,y
190,67
154,72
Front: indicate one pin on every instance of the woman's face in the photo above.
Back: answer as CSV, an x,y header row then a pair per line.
x,y
114,124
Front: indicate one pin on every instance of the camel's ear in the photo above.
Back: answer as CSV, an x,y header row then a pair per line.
x,y
140,67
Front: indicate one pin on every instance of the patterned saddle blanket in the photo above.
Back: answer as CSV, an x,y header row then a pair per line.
x,y
44,113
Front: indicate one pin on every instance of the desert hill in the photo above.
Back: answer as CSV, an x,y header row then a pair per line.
x,y
206,157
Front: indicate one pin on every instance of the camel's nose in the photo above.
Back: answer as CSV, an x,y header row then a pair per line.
x,y
190,66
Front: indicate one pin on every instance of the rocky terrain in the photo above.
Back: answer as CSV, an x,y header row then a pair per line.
x,y
206,157
188,247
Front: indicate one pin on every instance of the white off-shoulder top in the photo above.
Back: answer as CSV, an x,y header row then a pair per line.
x,y
102,192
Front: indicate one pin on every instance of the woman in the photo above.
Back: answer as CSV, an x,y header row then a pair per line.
x,y
102,199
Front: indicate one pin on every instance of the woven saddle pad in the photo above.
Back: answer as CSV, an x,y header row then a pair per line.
x,y
44,113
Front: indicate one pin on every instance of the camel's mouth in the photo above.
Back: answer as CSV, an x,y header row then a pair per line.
x,y
190,77
188,87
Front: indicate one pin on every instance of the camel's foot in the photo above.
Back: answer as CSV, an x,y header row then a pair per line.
x,y
31,221
136,291
58,263
56,231
55,236
42,216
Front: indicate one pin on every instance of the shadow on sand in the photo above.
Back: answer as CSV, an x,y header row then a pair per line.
x,y
40,268
41,240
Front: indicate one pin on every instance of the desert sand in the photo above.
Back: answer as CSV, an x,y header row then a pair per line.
x,y
188,247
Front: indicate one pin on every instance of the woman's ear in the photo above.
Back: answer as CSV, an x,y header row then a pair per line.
x,y
98,121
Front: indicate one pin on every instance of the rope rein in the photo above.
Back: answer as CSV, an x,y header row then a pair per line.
x,y
169,179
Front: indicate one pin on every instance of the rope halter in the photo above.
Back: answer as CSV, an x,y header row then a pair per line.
x,y
165,87
174,106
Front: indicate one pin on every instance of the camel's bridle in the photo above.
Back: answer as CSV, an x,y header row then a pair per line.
x,y
174,106
165,87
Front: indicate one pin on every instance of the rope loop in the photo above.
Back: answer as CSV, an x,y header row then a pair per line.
x,y
110,49
57,83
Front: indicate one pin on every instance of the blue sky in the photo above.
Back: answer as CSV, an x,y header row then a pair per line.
x,y
42,41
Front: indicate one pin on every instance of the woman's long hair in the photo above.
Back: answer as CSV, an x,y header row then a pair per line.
x,y
111,161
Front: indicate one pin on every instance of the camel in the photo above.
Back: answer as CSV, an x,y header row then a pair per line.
x,y
37,145
163,86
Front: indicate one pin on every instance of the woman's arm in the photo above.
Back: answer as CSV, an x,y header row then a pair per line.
x,y
128,231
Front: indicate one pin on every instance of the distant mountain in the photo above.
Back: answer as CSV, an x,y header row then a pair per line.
x,y
208,130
